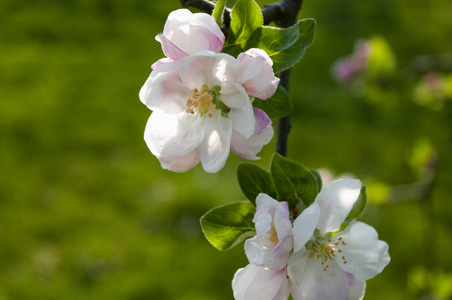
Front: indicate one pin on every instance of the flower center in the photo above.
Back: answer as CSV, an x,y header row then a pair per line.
x,y
325,248
205,101
273,235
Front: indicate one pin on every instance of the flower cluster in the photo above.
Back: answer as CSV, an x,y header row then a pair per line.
x,y
315,258
200,98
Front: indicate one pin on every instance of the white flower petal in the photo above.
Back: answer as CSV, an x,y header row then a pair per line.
x,y
163,90
207,68
269,210
366,255
336,201
170,49
241,111
257,283
172,135
310,282
186,33
206,21
179,163
214,149
272,244
175,20
263,133
271,258
256,73
357,288
304,226
160,62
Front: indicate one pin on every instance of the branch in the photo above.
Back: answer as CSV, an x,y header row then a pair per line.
x,y
283,13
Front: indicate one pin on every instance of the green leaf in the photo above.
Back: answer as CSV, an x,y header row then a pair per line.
x,y
358,206
254,180
293,182
226,226
278,106
246,24
232,49
286,46
217,13
318,178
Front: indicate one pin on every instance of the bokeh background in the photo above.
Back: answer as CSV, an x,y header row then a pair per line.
x,y
86,212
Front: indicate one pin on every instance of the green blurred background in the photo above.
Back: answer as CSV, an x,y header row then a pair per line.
x,y
86,212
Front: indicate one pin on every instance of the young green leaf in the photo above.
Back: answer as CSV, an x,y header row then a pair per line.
x,y
286,46
217,13
358,206
254,180
246,24
226,226
293,181
278,106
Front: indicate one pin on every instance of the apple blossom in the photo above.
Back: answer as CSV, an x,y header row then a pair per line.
x,y
186,33
200,112
327,264
272,244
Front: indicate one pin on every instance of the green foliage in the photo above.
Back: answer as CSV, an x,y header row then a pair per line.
x,y
287,46
246,24
293,182
278,106
226,226
217,13
254,180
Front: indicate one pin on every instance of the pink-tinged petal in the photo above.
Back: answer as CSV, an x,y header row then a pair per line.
x,y
241,111
173,135
357,288
175,20
263,87
336,201
262,121
248,148
304,226
273,258
256,74
193,39
160,62
272,244
207,68
257,283
263,133
186,33
179,163
308,281
206,21
170,49
366,255
164,91
269,211
240,146
214,149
